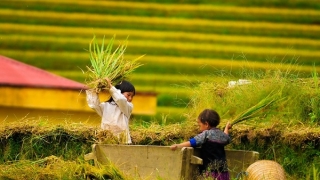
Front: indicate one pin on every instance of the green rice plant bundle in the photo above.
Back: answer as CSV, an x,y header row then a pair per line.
x,y
108,63
256,110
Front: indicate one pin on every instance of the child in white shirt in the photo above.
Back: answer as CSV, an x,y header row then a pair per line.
x,y
117,110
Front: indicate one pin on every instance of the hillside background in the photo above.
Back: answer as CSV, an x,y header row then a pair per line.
x,y
184,42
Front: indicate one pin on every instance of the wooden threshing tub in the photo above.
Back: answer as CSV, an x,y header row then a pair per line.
x,y
152,162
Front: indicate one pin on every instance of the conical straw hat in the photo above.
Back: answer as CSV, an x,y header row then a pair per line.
x,y
265,170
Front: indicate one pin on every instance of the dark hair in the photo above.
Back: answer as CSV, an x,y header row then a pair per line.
x,y
124,86
209,116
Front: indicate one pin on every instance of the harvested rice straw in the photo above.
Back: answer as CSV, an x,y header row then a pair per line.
x,y
108,63
255,110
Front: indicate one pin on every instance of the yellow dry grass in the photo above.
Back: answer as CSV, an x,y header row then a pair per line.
x,y
157,134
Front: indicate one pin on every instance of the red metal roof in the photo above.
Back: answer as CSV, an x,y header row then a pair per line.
x,y
15,73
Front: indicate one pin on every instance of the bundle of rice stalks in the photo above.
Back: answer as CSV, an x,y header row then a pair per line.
x,y
258,108
108,63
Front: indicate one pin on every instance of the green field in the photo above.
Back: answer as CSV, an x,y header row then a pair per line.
x,y
183,43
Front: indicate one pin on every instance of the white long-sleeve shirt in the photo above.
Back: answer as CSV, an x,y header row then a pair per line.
x,y
115,115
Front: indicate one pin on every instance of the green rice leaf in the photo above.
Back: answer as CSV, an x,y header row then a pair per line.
x,y
258,108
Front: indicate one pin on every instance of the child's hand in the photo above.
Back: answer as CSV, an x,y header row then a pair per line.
x,y
173,147
109,82
229,126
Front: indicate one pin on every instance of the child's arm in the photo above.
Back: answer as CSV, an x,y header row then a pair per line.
x,y
125,106
226,129
193,142
93,101
122,102
184,144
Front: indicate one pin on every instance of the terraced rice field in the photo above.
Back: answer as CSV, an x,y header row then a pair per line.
x,y
183,44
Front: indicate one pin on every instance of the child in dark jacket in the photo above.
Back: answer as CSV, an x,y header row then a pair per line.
x,y
212,141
